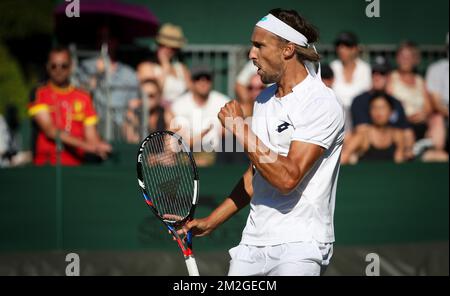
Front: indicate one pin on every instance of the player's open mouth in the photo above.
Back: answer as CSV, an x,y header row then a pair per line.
x,y
259,68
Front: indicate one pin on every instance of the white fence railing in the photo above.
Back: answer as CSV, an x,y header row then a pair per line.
x,y
226,61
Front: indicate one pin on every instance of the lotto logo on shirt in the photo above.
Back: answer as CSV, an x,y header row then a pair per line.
x,y
282,127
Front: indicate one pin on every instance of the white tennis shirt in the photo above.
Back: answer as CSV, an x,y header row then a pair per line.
x,y
310,113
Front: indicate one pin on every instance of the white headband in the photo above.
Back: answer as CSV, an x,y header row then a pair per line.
x,y
280,28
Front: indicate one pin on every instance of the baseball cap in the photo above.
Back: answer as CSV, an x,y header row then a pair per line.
x,y
346,38
200,71
381,65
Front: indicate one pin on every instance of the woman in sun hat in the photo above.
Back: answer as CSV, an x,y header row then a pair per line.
x,y
172,75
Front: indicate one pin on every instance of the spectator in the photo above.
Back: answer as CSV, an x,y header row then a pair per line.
x,y
379,141
159,117
243,80
112,82
254,88
327,75
351,74
437,80
196,112
410,89
10,139
4,140
62,111
360,105
173,76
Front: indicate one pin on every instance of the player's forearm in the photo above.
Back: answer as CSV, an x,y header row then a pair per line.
x,y
239,198
276,169
223,212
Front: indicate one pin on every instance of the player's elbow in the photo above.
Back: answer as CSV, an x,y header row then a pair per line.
x,y
288,185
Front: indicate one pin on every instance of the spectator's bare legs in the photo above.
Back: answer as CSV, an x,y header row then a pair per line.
x,y
437,133
410,139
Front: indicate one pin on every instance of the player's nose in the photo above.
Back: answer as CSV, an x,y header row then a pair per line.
x,y
252,53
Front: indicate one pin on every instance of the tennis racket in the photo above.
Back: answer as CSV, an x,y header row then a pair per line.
x,y
168,178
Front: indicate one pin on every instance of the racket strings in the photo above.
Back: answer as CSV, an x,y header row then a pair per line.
x,y
168,177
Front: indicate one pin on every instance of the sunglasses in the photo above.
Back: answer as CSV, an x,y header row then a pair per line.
x,y
202,77
251,87
63,66
151,95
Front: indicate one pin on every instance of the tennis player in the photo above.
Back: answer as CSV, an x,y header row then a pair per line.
x,y
294,144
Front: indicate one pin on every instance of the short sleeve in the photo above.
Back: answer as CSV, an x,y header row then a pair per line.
x,y
319,122
90,114
38,103
433,79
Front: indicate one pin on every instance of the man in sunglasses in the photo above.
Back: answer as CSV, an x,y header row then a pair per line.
x,y
62,112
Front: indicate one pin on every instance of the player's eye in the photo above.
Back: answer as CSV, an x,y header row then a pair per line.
x,y
257,45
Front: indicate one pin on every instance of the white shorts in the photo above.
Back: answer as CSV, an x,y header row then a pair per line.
x,y
290,259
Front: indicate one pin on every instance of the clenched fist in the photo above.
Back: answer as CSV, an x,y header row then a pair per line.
x,y
231,115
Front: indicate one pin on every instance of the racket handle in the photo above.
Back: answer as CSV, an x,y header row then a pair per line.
x,y
191,266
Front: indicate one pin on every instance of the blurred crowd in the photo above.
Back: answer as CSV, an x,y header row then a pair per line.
x,y
392,112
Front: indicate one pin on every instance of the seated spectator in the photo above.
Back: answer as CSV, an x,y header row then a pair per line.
x,y
4,140
111,82
254,88
196,113
158,118
173,76
379,141
10,139
410,89
243,80
360,105
66,113
351,74
437,81
327,75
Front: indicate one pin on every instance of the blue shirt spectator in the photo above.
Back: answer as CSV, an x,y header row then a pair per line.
x,y
360,104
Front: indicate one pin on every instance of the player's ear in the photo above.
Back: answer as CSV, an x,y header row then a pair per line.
x,y
289,50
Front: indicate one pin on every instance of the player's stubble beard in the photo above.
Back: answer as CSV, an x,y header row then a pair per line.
x,y
273,76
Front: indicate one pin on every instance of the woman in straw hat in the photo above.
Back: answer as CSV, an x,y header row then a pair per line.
x,y
173,76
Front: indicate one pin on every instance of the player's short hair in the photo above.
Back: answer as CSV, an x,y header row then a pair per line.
x,y
299,23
